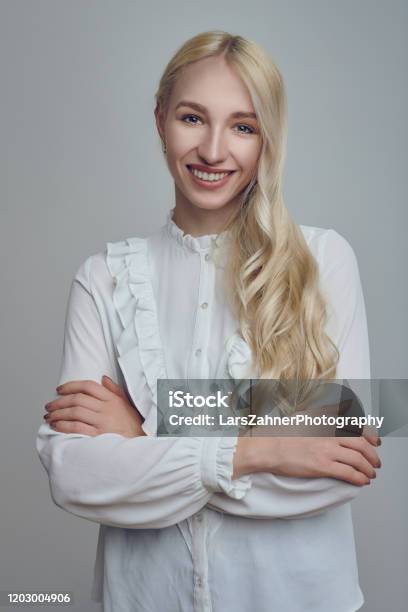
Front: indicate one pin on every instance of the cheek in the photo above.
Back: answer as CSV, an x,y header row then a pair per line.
x,y
248,161
180,140
246,153
253,155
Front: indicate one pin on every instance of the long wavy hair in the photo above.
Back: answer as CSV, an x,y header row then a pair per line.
x,y
273,276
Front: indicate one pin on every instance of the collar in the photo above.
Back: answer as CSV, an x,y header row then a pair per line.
x,y
194,243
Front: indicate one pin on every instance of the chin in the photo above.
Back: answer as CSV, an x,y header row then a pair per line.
x,y
209,205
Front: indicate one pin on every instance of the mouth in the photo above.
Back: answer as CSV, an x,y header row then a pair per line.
x,y
209,180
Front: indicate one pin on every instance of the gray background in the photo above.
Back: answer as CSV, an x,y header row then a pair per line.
x,y
81,164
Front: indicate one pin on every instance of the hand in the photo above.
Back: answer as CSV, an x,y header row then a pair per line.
x,y
351,459
290,451
346,458
87,407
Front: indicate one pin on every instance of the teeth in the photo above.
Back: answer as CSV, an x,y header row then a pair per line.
x,y
204,176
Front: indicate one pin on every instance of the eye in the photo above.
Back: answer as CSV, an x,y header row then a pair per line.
x,y
187,116
247,127
252,131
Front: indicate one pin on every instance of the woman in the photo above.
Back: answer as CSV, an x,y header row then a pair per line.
x,y
229,286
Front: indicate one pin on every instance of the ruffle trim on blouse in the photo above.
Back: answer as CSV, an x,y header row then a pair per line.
x,y
194,243
233,488
239,358
139,346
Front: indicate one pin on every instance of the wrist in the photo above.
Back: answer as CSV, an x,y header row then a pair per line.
x,y
246,457
269,453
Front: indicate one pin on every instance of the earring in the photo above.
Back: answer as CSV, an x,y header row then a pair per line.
x,y
164,148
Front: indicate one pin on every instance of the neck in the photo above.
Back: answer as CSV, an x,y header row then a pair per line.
x,y
202,221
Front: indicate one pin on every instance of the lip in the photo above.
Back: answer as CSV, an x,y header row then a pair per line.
x,y
209,170
207,184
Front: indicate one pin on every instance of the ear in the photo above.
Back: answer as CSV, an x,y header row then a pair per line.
x,y
159,121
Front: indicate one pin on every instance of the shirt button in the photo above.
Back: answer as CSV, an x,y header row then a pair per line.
x,y
207,257
204,305
198,580
198,352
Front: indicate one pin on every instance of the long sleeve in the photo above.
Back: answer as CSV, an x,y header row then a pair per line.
x,y
272,496
143,482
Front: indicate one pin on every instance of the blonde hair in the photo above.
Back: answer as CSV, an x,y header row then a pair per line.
x,y
274,278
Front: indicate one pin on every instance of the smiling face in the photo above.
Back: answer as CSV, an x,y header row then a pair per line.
x,y
211,124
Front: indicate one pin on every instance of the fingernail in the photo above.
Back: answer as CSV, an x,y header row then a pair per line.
x,y
46,416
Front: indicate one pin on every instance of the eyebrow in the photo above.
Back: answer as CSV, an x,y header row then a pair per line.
x,y
202,109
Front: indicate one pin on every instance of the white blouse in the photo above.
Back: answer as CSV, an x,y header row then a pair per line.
x,y
177,533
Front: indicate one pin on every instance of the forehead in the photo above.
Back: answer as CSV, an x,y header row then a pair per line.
x,y
213,83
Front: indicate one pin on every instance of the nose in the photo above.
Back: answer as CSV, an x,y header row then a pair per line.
x,y
214,147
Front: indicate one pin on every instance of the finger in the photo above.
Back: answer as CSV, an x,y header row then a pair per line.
x,y
74,399
89,387
114,387
371,435
345,472
356,460
75,413
360,444
75,427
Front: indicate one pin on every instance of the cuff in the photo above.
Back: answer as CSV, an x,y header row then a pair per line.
x,y
216,467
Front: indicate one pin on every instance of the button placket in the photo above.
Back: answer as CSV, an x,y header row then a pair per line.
x,y
198,366
202,599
